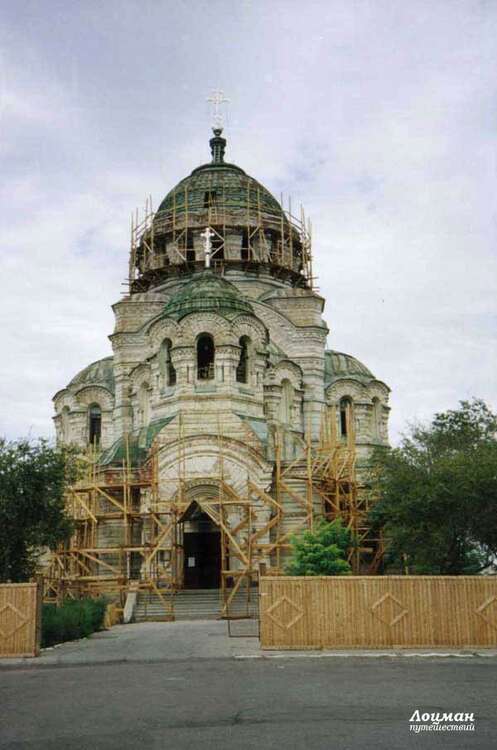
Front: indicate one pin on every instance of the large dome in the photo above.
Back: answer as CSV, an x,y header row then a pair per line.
x,y
228,181
250,230
219,182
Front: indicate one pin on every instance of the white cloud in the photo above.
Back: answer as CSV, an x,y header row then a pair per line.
x,y
380,118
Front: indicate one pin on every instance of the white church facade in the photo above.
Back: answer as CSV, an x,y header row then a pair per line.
x,y
220,369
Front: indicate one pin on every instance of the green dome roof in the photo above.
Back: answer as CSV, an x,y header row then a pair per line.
x,y
100,372
338,365
207,293
229,183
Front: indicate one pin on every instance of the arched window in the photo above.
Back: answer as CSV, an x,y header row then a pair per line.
x,y
376,419
168,373
242,370
190,246
205,357
345,416
144,398
245,249
286,402
94,424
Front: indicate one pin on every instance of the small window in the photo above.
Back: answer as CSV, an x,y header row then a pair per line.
x,y
217,245
345,416
190,247
144,403
245,251
286,403
242,369
205,357
210,198
167,369
94,424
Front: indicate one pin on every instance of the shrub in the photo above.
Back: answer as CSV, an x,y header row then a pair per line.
x,y
73,619
322,552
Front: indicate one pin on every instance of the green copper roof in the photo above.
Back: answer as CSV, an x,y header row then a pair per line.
x,y
222,182
207,292
232,187
338,365
139,444
100,372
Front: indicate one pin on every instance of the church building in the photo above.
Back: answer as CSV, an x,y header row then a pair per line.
x,y
222,423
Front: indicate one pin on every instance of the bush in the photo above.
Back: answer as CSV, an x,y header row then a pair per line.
x,y
322,552
74,619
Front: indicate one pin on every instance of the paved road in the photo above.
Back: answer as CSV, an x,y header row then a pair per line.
x,y
205,698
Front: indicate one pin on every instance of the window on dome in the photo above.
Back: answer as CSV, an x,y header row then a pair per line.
x,y
275,248
190,247
217,245
345,416
243,365
245,251
94,424
210,198
205,357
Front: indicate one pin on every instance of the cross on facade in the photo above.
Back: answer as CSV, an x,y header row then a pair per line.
x,y
207,235
217,98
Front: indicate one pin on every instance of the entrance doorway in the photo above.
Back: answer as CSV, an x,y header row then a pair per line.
x,y
202,551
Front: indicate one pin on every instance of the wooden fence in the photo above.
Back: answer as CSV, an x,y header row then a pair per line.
x,y
378,612
20,619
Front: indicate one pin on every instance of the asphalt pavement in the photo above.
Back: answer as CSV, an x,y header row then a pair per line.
x,y
186,685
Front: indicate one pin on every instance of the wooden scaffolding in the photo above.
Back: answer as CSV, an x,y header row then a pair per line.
x,y
161,241
127,537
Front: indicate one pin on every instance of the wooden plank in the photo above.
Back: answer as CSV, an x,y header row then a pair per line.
x,y
378,612
20,619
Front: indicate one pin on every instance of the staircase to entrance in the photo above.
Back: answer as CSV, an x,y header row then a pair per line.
x,y
193,604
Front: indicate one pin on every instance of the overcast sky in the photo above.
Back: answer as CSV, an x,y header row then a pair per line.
x,y
381,117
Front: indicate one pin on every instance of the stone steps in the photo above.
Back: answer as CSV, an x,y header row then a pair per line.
x,y
202,604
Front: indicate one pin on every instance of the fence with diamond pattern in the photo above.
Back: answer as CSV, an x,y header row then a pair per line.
x,y
20,619
378,612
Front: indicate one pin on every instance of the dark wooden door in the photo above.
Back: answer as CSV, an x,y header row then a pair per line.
x,y
202,555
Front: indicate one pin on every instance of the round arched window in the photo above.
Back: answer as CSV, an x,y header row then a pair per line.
x,y
205,357
94,424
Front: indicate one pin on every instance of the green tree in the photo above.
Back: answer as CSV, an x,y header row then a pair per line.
x,y
33,477
321,552
437,493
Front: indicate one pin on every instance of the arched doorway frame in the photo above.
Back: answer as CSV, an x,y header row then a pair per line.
x,y
233,516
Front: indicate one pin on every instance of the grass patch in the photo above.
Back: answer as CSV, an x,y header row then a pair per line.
x,y
75,618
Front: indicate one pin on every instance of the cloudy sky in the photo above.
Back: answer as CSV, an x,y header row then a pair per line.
x,y
381,117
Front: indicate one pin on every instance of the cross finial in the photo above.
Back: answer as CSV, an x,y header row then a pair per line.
x,y
217,98
207,235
